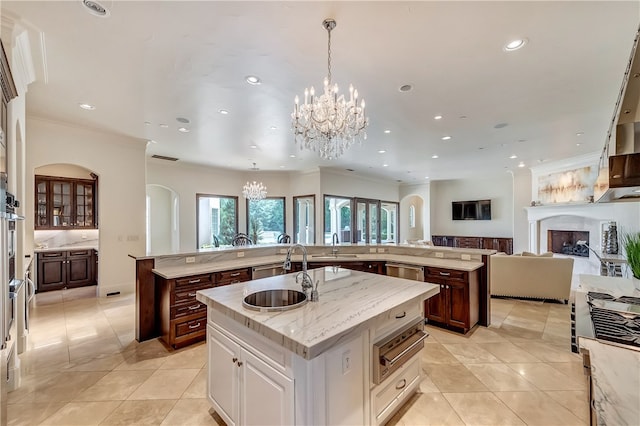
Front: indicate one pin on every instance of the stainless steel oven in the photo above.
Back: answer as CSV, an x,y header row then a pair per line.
x,y
392,352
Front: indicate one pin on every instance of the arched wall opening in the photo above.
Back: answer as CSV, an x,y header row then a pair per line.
x,y
162,219
412,218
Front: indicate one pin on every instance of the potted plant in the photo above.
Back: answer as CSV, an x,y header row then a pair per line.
x,y
631,244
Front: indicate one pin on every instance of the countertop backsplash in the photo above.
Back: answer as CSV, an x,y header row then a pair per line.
x,y
67,239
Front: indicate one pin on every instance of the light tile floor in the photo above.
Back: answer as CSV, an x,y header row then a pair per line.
x,y
84,367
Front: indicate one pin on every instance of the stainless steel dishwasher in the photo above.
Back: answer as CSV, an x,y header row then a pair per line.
x,y
266,271
409,272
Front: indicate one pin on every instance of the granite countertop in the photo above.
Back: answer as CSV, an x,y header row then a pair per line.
x,y
66,248
177,271
349,301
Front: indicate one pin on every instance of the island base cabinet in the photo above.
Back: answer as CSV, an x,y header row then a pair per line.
x,y
457,306
242,388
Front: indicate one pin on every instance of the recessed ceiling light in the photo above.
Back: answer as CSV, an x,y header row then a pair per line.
x,y
434,156
223,111
463,117
480,148
500,125
382,151
446,138
387,131
253,80
253,146
96,9
405,88
292,156
579,133
147,123
578,144
515,44
183,120
513,156
385,165
183,130
164,126
522,140
521,164
437,117
88,107
272,128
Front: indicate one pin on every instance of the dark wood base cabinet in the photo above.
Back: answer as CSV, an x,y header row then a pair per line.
x,y
457,304
488,243
66,269
182,318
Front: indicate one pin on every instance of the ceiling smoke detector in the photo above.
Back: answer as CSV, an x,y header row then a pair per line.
x,y
96,9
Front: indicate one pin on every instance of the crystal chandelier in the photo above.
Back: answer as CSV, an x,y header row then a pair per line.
x,y
255,190
329,124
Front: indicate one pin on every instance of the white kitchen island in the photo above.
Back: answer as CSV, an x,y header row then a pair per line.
x,y
313,364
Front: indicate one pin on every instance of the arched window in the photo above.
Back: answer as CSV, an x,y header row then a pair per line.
x,y
412,216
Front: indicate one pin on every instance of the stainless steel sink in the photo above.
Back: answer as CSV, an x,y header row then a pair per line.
x,y
331,256
274,300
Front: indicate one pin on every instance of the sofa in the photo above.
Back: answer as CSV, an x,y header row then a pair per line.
x,y
531,276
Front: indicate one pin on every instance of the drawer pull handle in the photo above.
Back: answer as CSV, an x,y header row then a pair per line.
x,y
234,360
193,308
191,327
192,295
400,386
402,315
194,281
235,274
445,274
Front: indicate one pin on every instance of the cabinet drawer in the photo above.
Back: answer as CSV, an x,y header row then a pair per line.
x,y
51,254
391,392
180,311
80,253
397,318
187,294
233,276
193,280
449,274
191,326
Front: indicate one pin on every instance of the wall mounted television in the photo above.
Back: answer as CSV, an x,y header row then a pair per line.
x,y
471,210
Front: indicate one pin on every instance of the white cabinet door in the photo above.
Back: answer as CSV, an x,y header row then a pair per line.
x,y
223,375
267,395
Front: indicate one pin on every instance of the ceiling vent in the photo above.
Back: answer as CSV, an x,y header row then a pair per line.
x,y
164,157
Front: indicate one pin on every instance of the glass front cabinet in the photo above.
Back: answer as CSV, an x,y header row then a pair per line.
x,y
65,203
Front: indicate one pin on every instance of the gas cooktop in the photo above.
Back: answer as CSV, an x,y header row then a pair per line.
x,y
615,319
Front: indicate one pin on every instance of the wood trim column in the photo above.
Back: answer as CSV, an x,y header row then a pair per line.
x,y
146,327
484,288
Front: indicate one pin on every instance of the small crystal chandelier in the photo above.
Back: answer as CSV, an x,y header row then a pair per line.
x,y
329,124
255,190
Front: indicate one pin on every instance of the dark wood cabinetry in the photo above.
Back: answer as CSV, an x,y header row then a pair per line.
x,y
65,203
488,243
457,304
182,318
66,269
374,267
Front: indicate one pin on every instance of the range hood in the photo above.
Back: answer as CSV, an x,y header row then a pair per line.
x,y
619,169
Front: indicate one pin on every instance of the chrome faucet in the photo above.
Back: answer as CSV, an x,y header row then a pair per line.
x,y
334,241
303,276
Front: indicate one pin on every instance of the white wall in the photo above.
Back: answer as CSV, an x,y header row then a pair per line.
x,y
422,191
120,164
187,180
521,199
499,189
